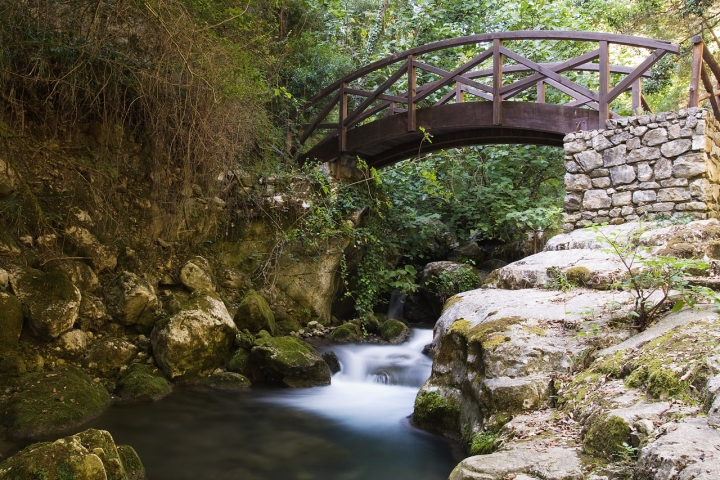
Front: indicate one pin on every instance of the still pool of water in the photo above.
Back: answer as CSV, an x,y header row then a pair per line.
x,y
355,429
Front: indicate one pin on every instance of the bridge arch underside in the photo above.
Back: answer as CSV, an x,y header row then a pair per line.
x,y
386,141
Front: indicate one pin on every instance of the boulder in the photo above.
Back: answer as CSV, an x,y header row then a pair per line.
x,y
11,321
88,455
197,274
195,341
346,333
394,331
239,361
73,342
48,404
84,244
226,381
143,383
109,354
332,360
92,314
131,300
288,361
50,300
81,275
254,314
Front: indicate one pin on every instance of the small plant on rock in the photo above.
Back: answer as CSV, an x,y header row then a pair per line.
x,y
651,279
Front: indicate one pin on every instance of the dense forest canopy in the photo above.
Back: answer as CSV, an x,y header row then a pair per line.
x,y
211,85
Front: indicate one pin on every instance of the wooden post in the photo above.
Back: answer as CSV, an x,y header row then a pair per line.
x,y
342,115
497,82
637,96
411,73
695,76
391,110
541,92
604,82
459,98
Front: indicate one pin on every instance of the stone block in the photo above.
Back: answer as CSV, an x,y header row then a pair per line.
x,y
673,131
601,182
663,207
622,198
644,172
654,137
627,210
689,165
638,131
622,174
589,160
574,147
674,182
691,122
702,143
620,138
617,221
643,154
633,143
596,199
599,172
631,217
675,147
614,156
572,217
600,143
686,132
572,167
615,212
577,182
572,202
663,169
643,196
691,206
699,189
673,194
648,186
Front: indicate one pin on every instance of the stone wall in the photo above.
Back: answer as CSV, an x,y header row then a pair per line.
x,y
665,163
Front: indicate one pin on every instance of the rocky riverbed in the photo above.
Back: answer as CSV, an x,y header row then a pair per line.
x,y
544,383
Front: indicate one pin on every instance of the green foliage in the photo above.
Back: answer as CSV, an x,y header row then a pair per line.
x,y
650,279
451,282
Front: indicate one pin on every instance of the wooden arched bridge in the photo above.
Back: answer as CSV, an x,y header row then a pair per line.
x,y
457,108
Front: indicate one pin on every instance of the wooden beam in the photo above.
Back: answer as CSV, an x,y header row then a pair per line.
x,y
602,97
694,92
645,105
541,92
321,116
382,96
446,98
477,93
497,81
712,64
708,86
384,86
342,115
411,80
636,96
459,93
448,77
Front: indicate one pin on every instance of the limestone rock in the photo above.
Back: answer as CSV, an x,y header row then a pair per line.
x,y
197,274
689,165
81,275
346,333
614,156
675,147
92,314
11,321
131,300
622,174
51,403
589,160
687,450
109,354
84,243
73,342
195,341
577,183
555,463
88,455
288,361
596,199
254,314
226,381
50,300
394,331
143,383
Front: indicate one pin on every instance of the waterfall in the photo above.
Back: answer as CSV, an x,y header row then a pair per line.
x,y
397,303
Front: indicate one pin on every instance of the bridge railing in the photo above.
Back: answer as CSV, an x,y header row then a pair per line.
x,y
703,58
466,79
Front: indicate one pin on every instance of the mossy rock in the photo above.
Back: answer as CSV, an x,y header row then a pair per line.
x,y
244,339
394,331
490,333
483,443
288,361
11,363
436,411
11,321
143,383
226,381
346,333
51,403
605,436
373,322
254,314
578,275
89,455
51,302
239,361
285,326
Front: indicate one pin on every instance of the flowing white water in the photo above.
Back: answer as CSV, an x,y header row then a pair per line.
x,y
396,306
376,387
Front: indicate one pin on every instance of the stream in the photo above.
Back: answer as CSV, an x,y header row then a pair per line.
x,y
355,429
